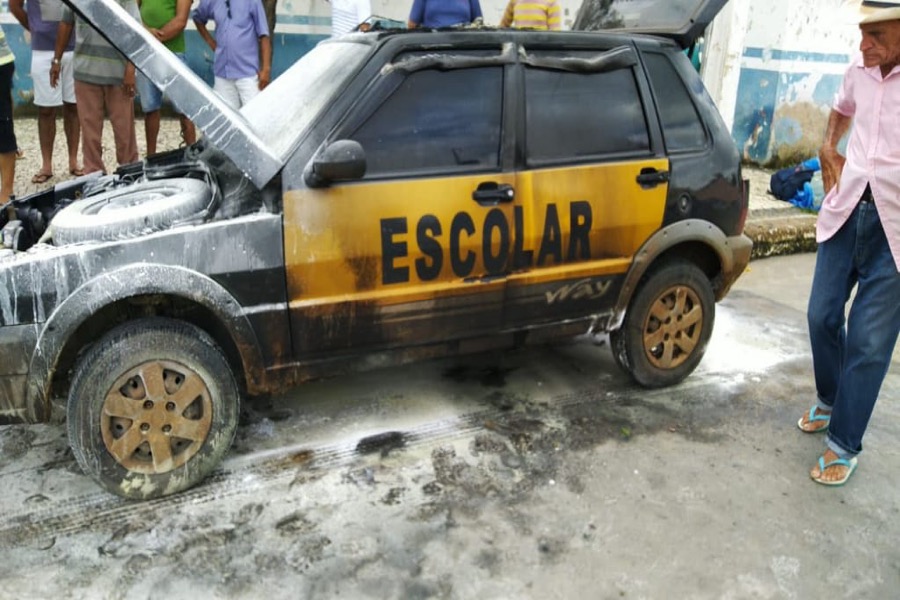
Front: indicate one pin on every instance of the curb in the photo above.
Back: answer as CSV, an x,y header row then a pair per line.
x,y
777,236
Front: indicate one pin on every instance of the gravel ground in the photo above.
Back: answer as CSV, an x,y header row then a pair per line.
x,y
30,163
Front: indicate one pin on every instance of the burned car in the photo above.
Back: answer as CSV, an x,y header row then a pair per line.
x,y
402,193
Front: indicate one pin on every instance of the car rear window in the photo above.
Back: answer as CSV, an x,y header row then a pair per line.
x,y
574,116
682,128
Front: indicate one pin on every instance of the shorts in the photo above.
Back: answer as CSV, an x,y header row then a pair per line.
x,y
237,92
7,134
152,96
44,95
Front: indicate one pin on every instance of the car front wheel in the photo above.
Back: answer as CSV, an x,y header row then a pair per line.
x,y
152,408
667,325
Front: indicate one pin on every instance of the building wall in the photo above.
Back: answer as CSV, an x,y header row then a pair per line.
x,y
781,65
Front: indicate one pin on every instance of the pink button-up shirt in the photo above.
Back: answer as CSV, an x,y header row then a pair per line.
x,y
873,152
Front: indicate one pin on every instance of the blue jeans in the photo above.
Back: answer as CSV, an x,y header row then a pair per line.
x,y
850,362
150,95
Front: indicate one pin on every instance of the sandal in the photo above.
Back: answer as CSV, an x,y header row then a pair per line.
x,y
814,422
76,172
839,462
41,177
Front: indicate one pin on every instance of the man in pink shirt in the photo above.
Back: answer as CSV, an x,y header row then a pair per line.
x,y
858,231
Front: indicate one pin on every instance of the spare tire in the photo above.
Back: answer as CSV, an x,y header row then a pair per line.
x,y
130,211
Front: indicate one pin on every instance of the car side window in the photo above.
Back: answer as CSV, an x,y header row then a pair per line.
x,y
436,122
682,128
572,116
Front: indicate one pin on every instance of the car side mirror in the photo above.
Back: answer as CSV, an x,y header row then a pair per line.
x,y
341,160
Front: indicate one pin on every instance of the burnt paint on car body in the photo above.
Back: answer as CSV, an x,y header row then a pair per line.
x,y
279,339
228,267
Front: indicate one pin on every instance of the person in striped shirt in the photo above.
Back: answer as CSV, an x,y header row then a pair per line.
x,y
346,15
532,14
104,86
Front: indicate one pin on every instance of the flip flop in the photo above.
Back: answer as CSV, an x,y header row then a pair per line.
x,y
840,462
41,177
811,418
76,172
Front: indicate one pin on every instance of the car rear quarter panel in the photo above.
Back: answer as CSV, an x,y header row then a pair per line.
x,y
233,268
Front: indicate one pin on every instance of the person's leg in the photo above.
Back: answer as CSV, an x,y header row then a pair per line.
x,y
7,175
151,103
227,90
248,88
188,131
73,131
70,111
151,130
90,118
46,137
120,107
833,279
872,329
8,144
46,98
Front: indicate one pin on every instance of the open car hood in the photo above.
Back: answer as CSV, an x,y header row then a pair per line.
x,y
225,127
680,20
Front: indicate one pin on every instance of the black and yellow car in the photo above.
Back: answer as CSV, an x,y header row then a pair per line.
x,y
409,193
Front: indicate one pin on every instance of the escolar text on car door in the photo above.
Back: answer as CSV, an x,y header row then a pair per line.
x,y
417,250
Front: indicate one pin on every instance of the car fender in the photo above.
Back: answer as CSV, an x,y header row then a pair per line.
x,y
123,283
689,230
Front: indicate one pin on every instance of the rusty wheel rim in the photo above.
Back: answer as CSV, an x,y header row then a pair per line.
x,y
156,417
673,327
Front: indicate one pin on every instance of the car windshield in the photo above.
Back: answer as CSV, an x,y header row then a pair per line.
x,y
287,107
638,14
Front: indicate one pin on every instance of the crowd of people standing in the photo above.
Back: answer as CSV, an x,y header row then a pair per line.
x,y
91,81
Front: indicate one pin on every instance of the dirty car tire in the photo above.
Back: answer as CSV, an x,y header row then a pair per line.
x,y
152,408
667,325
131,210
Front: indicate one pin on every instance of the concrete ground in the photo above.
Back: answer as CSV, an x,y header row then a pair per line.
x,y
542,473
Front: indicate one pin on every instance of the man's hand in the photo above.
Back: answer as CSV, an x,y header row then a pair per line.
x,y
55,68
128,80
832,167
265,61
831,161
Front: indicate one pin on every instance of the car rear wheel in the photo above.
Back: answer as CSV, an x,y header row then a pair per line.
x,y
130,210
152,408
667,325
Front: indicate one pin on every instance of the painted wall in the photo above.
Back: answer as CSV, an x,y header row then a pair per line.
x,y
777,67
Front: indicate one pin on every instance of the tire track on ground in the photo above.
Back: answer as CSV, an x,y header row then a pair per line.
x,y
251,474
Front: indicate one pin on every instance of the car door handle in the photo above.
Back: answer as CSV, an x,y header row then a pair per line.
x,y
650,177
490,193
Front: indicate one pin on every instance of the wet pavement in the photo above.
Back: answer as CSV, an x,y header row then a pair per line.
x,y
541,473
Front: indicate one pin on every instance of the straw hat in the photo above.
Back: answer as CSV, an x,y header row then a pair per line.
x,y
874,11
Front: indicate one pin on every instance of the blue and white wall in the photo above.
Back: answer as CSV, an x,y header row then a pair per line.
x,y
773,67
